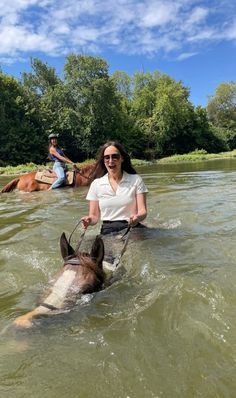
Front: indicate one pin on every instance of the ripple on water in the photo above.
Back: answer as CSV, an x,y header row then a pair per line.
x,y
165,327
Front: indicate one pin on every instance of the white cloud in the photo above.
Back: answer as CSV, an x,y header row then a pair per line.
x,y
158,14
136,26
184,56
197,15
230,32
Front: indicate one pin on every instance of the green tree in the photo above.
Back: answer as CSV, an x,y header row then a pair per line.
x,y
144,93
173,117
205,135
221,107
95,99
50,99
42,77
20,141
123,84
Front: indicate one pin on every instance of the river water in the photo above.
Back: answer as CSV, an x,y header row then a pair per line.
x,y
165,328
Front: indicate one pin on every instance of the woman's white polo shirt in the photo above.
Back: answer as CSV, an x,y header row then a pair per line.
x,y
119,205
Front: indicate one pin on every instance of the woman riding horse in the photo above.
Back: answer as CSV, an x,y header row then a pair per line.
x,y
60,159
28,183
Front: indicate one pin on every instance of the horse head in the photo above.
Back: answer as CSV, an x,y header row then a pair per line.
x,y
96,254
84,174
82,273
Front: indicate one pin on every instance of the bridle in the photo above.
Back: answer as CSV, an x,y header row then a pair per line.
x,y
77,171
124,237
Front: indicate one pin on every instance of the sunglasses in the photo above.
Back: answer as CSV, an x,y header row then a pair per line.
x,y
114,156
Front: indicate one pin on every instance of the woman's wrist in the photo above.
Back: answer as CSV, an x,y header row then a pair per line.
x,y
141,217
93,220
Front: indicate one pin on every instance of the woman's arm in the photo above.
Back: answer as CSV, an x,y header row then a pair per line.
x,y
94,214
60,157
141,209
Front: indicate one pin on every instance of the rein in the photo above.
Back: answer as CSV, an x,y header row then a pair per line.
x,y
77,171
81,236
125,238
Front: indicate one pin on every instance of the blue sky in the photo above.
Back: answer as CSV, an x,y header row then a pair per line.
x,y
190,40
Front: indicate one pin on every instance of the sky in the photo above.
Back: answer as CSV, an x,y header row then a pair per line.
x,y
190,40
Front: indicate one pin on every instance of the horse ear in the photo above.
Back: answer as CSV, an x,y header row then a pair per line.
x,y
97,250
66,249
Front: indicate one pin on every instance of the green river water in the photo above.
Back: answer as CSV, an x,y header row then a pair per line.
x,y
165,328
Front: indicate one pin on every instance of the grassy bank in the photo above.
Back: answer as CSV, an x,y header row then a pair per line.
x,y
24,168
197,155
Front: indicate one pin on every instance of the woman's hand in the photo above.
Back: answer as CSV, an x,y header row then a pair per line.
x,y
134,220
86,221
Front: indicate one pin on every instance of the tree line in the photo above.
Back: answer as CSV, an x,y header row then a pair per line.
x,y
149,113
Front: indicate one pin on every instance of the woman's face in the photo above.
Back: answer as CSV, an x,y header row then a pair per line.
x,y
112,159
54,141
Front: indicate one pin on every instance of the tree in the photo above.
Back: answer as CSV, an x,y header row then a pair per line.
x,y
173,117
206,136
50,99
41,78
96,101
123,84
221,108
144,93
20,141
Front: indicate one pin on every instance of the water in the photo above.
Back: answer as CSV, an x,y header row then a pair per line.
x,y
165,328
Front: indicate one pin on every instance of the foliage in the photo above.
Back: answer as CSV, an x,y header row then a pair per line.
x,y
221,107
149,113
20,135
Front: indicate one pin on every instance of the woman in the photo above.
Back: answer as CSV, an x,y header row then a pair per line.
x,y
117,195
60,159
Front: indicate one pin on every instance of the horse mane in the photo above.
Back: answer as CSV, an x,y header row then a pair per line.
x,y
86,261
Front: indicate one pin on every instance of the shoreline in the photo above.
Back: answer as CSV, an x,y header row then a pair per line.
x,y
195,156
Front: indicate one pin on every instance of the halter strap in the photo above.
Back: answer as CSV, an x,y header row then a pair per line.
x,y
49,306
73,261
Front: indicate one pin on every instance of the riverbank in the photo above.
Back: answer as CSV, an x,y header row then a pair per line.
x,y
195,156
26,168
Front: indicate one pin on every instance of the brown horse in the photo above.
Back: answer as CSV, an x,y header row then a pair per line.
x,y
27,182
82,273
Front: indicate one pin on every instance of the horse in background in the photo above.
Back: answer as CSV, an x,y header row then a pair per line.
x,y
82,273
28,183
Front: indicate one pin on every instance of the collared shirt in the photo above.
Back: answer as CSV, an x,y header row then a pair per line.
x,y
119,205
